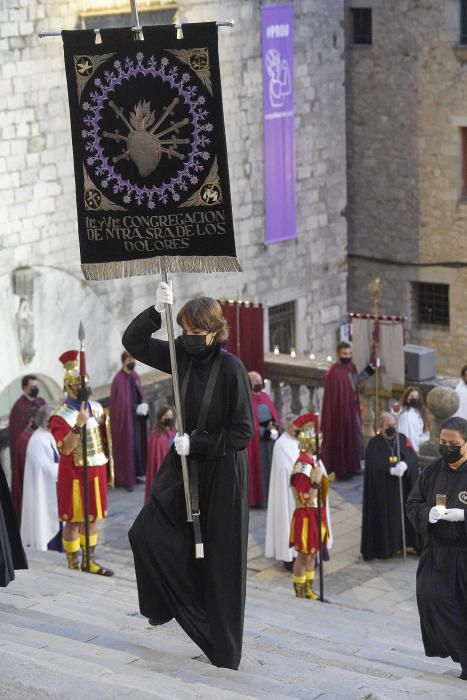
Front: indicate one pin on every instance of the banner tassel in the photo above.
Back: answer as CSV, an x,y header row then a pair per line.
x,y
97,272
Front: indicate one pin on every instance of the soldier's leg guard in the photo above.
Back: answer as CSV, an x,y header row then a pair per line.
x,y
71,548
309,592
94,567
299,585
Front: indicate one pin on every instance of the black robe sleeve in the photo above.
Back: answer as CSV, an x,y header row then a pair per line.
x,y
137,340
236,434
417,507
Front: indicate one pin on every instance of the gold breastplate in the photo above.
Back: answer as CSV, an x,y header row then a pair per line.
x,y
96,454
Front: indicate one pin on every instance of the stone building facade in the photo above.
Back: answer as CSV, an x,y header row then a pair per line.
x,y
407,213
43,293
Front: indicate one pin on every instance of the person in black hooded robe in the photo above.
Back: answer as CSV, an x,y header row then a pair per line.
x,y
442,569
381,514
12,554
205,596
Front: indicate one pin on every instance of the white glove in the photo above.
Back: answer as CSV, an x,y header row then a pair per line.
x,y
454,515
435,515
274,434
182,444
398,469
164,295
142,409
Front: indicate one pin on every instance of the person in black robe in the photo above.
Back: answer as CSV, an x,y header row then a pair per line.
x,y
205,596
12,554
442,570
384,467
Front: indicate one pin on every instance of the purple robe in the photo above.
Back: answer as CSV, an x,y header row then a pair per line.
x,y
129,438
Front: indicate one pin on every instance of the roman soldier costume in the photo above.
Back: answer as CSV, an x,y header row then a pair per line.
x,y
71,473
308,475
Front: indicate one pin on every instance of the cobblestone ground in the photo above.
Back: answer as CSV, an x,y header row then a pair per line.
x,y
346,574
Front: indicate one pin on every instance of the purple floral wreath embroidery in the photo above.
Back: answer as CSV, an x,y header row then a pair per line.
x,y
196,161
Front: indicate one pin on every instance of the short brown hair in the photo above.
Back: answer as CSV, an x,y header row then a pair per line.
x,y
125,355
204,313
342,346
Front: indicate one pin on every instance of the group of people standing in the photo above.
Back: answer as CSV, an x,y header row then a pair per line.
x,y
222,410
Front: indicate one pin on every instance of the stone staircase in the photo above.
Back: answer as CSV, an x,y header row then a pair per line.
x,y
69,635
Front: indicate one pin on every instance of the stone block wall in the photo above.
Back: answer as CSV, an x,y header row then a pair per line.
x,y
406,97
38,200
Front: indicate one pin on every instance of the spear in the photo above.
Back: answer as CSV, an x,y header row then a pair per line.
x,y
83,397
320,522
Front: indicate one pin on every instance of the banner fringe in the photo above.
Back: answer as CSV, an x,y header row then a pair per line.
x,y
98,272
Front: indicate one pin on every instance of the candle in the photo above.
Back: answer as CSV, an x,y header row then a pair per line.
x,y
293,352
276,350
441,503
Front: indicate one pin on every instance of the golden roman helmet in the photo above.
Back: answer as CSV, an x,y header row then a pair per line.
x,y
307,424
71,378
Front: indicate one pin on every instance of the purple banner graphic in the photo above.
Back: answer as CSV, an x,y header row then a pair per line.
x,y
279,128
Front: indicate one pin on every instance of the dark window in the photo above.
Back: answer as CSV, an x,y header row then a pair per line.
x,y
361,25
104,20
282,326
431,303
463,22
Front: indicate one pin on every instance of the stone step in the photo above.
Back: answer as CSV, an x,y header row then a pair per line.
x,y
292,648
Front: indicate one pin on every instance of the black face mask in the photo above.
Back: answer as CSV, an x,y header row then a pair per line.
x,y
168,422
451,453
413,403
131,366
195,345
390,432
346,360
257,388
34,392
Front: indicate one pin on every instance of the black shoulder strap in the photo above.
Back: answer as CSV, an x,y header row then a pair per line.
x,y
183,391
208,392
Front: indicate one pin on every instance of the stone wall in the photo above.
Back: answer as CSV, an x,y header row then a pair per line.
x,y
37,186
406,97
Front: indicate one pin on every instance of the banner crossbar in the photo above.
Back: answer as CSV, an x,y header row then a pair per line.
x,y
139,28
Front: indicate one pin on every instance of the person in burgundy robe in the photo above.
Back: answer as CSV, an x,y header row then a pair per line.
x,y
128,416
17,472
160,442
342,448
260,447
18,415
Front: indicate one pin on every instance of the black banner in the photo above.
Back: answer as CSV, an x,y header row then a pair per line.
x,y
149,151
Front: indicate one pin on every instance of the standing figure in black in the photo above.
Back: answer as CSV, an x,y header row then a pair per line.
x,y
11,549
205,596
389,459
437,506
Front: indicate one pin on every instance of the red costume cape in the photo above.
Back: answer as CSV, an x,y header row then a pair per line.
x,y
304,529
70,485
340,421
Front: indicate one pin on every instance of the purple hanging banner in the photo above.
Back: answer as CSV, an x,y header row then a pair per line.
x,y
279,127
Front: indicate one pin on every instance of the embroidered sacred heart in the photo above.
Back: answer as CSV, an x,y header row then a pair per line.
x,y
463,497
144,150
144,144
